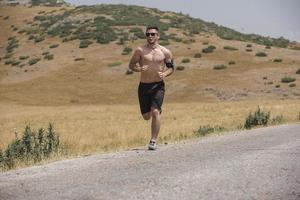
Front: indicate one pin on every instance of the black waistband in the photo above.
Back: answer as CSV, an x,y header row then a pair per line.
x,y
153,83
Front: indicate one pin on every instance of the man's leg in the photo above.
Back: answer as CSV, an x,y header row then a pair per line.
x,y
147,115
155,124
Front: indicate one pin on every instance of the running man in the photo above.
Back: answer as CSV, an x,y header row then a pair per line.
x,y
155,62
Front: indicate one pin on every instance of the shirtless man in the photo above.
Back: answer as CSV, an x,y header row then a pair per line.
x,y
155,62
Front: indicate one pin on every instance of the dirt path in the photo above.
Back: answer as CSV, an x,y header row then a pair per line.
x,y
258,164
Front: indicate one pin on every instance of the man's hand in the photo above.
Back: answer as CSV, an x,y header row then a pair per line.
x,y
144,68
161,75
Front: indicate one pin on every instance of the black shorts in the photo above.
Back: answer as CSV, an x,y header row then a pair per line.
x,y
151,95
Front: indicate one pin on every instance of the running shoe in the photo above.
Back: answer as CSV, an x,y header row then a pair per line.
x,y
152,145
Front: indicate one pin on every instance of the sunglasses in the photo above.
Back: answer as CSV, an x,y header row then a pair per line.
x,y
152,34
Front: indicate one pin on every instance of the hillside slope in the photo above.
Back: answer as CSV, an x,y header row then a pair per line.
x,y
66,55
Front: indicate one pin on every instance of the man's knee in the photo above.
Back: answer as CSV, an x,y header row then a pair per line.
x,y
155,112
147,116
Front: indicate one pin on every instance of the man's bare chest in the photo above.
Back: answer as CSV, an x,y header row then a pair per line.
x,y
153,56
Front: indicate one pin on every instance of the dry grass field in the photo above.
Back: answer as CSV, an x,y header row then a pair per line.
x,y
94,106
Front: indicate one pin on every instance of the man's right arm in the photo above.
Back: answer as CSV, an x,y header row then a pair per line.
x,y
134,61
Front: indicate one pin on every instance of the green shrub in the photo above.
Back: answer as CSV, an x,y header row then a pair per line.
x,y
129,71
249,45
85,43
164,43
277,86
180,68
197,55
257,119
114,64
15,63
230,48
298,71
33,61
261,54
277,60
209,49
53,46
8,62
39,38
23,57
78,59
49,57
126,51
277,120
219,67
45,53
292,85
32,147
185,60
205,43
231,62
207,129
287,79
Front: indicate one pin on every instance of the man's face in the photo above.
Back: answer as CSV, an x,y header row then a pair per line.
x,y
152,36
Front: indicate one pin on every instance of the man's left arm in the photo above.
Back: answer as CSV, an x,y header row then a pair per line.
x,y
169,63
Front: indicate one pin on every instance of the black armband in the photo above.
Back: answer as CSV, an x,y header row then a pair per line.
x,y
170,64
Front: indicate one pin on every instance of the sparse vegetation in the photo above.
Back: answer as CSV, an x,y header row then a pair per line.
x,y
277,60
292,85
129,72
85,43
231,62
208,129
185,60
126,51
277,120
259,118
33,61
114,64
249,45
49,57
261,54
32,147
180,68
230,48
78,59
53,46
209,49
249,50
219,67
23,57
197,55
287,79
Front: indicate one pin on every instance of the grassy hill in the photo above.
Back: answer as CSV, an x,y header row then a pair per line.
x,y
69,65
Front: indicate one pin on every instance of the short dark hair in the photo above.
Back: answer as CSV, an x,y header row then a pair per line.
x,y
152,27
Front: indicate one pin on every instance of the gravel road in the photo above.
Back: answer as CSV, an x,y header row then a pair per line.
x,y
257,164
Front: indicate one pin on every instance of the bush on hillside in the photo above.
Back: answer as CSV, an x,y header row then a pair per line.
x,y
298,71
180,68
209,49
259,118
277,60
287,79
85,43
53,46
23,57
220,67
230,48
197,55
231,62
33,61
261,54
185,60
126,51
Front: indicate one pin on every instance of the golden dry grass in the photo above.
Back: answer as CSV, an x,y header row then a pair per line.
x,y
88,129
